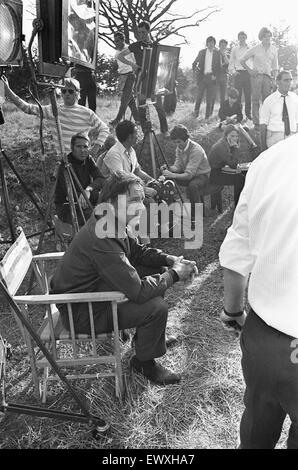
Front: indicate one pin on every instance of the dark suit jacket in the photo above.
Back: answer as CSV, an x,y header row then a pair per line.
x,y
199,63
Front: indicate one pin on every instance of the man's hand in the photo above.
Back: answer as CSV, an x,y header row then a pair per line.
x,y
82,201
185,269
168,174
232,323
150,192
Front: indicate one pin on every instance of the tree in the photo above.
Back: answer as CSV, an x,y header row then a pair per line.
x,y
125,15
287,53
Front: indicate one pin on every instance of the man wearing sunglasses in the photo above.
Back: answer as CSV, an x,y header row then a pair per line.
x,y
73,117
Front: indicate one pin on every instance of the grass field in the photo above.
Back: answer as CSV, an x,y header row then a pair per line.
x,y
204,411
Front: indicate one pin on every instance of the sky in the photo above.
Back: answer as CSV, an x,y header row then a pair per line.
x,y
234,16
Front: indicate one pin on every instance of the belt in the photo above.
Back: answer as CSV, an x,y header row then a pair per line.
x,y
127,73
242,70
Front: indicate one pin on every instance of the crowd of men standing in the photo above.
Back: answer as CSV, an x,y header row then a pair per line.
x,y
251,71
249,74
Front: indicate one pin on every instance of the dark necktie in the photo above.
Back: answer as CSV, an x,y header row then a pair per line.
x,y
285,116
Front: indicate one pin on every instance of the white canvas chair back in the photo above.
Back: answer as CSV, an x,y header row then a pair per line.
x,y
13,269
15,264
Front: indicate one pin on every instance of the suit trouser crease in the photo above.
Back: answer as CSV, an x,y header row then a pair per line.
x,y
208,85
243,84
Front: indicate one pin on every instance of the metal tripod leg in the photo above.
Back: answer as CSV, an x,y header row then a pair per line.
x,y
6,202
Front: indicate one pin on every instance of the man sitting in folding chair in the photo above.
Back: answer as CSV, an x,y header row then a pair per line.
x,y
88,175
105,256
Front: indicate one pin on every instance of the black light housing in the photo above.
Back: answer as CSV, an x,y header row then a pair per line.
x,y
11,17
69,35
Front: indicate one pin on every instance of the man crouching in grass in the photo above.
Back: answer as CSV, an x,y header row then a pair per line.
x,y
105,256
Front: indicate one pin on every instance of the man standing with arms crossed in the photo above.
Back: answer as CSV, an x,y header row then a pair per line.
x,y
264,71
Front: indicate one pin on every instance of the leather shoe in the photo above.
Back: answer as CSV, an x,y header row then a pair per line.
x,y
170,340
154,372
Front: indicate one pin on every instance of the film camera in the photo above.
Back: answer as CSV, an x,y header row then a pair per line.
x,y
165,189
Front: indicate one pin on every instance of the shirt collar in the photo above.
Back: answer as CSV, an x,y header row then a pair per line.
x,y
187,146
124,150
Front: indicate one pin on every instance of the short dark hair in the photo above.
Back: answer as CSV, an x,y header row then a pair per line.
x,y
211,38
281,73
223,41
144,24
119,34
179,132
242,33
117,184
263,32
124,129
79,135
233,93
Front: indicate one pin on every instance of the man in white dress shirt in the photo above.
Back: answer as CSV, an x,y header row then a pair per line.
x,y
263,71
241,76
276,122
262,243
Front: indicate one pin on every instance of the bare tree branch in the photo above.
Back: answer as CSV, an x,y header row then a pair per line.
x,y
125,15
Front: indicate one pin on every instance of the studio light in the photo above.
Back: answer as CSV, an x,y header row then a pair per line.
x,y
11,12
69,35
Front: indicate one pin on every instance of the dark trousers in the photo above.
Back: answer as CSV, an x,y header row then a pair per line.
x,y
222,179
149,319
243,84
271,386
206,84
127,98
160,112
88,89
222,87
261,87
194,187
